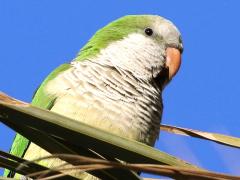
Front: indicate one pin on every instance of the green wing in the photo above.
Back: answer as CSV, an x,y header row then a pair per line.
x,y
42,100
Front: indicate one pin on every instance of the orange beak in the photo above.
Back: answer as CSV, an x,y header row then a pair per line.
x,y
173,61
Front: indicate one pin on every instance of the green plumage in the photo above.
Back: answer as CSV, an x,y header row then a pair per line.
x,y
42,100
114,31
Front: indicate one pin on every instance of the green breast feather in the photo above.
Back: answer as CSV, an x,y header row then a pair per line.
x,y
42,100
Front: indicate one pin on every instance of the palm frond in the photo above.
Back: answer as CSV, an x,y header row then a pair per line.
x,y
25,167
216,137
87,148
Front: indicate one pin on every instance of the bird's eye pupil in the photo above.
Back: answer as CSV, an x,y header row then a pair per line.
x,y
148,31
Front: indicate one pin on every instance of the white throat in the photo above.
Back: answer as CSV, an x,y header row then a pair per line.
x,y
136,53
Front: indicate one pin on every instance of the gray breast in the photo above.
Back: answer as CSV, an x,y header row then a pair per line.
x,y
131,104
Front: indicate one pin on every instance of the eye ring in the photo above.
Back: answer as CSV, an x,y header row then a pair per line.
x,y
148,31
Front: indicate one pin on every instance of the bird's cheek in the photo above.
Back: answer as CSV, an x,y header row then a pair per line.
x,y
173,61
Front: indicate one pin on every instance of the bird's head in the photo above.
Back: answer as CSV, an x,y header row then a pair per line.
x,y
148,46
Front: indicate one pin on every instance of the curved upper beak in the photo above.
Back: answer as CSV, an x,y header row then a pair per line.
x,y
173,61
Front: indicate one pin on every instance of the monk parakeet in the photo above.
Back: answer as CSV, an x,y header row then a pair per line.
x,y
115,83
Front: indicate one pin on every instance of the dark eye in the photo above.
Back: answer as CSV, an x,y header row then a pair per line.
x,y
148,31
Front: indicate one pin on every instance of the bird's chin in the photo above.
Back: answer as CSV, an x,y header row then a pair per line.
x,y
162,79
171,67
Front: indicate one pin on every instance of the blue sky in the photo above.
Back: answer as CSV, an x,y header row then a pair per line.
x,y
37,36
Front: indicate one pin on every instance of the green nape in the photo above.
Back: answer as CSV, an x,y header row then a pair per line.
x,y
42,100
114,31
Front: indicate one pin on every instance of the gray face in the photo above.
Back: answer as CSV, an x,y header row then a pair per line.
x,y
168,36
165,32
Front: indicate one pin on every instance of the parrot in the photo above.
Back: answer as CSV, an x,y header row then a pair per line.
x,y
114,83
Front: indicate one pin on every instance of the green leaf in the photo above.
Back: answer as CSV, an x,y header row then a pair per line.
x,y
80,134
65,135
53,146
25,167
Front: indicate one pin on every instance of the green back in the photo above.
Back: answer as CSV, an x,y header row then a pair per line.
x,y
42,100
